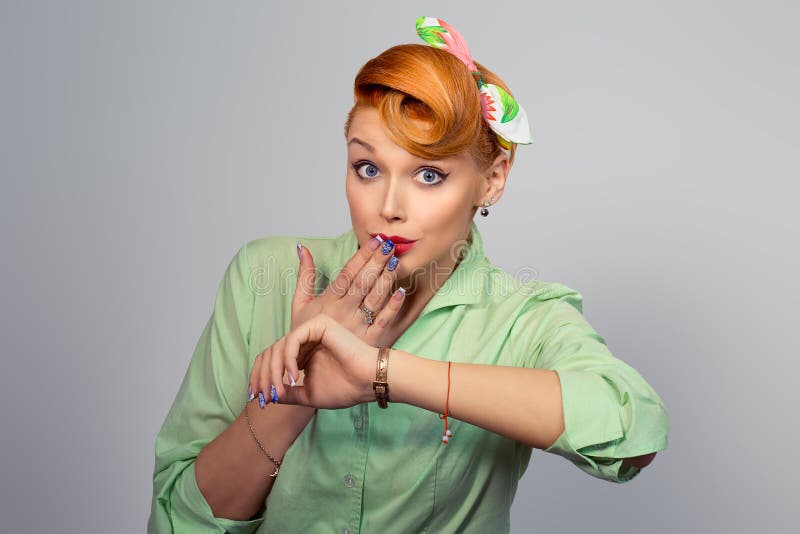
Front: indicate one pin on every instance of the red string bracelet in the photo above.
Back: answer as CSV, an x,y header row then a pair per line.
x,y
447,433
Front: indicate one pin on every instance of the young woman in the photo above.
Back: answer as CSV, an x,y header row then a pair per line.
x,y
404,382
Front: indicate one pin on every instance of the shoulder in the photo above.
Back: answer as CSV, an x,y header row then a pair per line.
x,y
526,294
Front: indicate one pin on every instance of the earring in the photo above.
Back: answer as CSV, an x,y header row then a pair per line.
x,y
485,208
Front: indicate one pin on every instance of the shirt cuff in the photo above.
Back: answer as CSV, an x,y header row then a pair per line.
x,y
194,508
592,427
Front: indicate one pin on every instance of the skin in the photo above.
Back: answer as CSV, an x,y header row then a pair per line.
x,y
410,196
330,351
391,191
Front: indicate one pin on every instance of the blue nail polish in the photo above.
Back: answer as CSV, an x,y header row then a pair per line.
x,y
386,248
392,265
299,250
274,393
261,400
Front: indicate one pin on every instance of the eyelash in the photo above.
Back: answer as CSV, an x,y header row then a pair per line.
x,y
443,176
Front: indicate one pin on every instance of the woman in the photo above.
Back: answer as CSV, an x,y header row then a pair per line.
x,y
337,432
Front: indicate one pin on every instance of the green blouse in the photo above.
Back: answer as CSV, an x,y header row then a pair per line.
x,y
364,469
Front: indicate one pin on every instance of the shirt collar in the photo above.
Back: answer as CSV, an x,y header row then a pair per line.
x,y
466,285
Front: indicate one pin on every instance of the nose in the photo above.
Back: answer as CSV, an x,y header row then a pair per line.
x,y
393,204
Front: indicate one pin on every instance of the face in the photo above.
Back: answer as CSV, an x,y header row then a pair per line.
x,y
429,204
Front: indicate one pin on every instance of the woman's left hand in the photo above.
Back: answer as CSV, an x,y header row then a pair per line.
x,y
337,376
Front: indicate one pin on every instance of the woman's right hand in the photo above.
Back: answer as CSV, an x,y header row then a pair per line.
x,y
364,280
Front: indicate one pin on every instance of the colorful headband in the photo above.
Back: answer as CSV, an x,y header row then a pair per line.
x,y
509,122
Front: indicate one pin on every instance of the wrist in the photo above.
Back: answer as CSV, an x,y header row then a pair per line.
x,y
397,361
369,374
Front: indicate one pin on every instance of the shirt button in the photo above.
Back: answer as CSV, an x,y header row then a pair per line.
x,y
345,530
358,423
349,481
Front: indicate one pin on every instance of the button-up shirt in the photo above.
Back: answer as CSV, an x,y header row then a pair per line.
x,y
366,469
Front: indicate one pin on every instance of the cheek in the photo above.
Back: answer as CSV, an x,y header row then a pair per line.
x,y
357,200
442,213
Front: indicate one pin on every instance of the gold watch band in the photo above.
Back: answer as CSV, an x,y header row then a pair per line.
x,y
380,384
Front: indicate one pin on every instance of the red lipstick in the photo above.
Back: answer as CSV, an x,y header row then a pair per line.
x,y
401,244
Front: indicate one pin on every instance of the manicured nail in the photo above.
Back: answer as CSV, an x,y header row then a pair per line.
x,y
291,380
299,250
273,393
261,400
400,293
386,248
374,242
393,261
250,394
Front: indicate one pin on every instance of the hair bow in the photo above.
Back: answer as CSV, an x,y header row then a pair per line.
x,y
501,111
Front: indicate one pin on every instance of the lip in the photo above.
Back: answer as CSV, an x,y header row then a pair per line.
x,y
401,244
396,239
402,248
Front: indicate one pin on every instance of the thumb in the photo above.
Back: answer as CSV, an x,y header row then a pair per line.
x,y
306,278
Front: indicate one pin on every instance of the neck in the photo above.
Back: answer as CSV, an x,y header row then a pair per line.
x,y
420,289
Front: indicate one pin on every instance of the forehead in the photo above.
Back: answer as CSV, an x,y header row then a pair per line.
x,y
366,121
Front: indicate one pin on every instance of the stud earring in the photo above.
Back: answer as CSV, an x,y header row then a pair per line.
x,y
485,208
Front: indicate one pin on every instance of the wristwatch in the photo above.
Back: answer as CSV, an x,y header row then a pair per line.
x,y
380,384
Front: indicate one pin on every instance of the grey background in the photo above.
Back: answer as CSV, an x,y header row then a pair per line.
x,y
144,142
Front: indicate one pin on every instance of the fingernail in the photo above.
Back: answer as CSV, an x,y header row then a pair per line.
x,y
400,293
393,261
374,242
261,400
274,393
291,380
250,394
299,250
386,248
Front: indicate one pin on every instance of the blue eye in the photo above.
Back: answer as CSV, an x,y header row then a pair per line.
x,y
366,169
430,176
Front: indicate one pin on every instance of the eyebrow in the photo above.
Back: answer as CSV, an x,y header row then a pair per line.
x,y
362,143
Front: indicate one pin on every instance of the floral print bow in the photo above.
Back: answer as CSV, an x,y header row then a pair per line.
x,y
500,110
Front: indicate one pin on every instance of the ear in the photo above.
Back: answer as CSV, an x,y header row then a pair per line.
x,y
494,182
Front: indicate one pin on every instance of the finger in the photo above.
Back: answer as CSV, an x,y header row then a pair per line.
x,y
389,312
310,331
376,297
306,279
290,364
341,284
252,383
264,374
366,279
291,351
276,367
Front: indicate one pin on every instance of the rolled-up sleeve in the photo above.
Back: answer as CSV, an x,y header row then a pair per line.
x,y
610,411
202,409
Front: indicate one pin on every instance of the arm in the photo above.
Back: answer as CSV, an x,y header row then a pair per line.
x,y
209,473
231,471
520,404
566,393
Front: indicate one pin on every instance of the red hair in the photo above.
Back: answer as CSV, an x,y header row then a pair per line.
x,y
429,103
